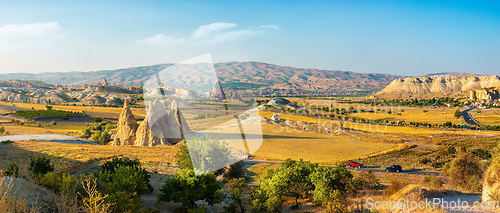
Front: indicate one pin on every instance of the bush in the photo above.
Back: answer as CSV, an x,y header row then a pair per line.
x,y
86,132
12,170
60,183
186,187
465,172
434,181
53,123
233,171
395,186
425,161
110,166
2,130
40,166
97,120
7,141
371,182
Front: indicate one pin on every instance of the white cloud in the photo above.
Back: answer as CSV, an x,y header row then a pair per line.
x,y
214,33
162,39
270,26
25,35
212,29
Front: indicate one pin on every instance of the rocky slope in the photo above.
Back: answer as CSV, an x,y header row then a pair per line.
x,y
436,86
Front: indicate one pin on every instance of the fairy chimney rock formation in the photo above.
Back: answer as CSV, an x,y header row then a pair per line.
x,y
127,126
162,126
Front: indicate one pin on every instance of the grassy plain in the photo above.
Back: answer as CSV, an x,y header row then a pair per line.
x,y
487,116
280,143
378,128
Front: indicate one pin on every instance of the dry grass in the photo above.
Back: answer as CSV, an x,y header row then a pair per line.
x,y
75,157
280,143
56,130
487,116
377,128
85,109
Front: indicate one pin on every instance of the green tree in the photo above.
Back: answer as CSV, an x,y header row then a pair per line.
x,y
40,166
97,120
458,113
207,153
124,186
235,189
186,187
108,168
182,158
285,181
332,187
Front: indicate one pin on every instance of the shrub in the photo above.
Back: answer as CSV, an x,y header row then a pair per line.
x,y
12,170
425,161
236,170
2,130
371,182
434,181
97,120
94,201
109,168
40,166
53,123
60,183
7,141
86,133
465,172
395,186
186,187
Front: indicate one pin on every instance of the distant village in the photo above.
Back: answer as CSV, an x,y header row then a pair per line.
x,y
485,97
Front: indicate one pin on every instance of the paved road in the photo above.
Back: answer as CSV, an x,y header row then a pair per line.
x,y
48,138
468,119
415,172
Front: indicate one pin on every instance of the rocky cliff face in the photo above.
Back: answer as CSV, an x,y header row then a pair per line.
x,y
436,86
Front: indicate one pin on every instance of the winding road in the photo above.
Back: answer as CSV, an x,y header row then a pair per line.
x,y
374,169
468,119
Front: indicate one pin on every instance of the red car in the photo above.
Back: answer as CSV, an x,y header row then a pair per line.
x,y
355,164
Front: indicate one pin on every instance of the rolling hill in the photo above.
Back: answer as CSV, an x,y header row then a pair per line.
x,y
248,76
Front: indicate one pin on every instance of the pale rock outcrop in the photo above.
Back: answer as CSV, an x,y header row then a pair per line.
x,y
491,184
162,126
93,99
276,118
436,86
127,127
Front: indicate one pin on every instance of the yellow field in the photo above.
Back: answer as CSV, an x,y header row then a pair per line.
x,y
487,116
113,110
74,157
375,128
56,130
281,143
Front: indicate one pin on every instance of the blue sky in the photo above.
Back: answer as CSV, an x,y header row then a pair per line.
x,y
383,36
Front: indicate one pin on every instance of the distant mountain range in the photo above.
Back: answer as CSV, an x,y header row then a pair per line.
x,y
255,77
